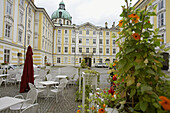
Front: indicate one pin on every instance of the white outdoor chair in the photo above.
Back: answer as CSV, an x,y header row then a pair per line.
x,y
50,77
31,109
31,97
58,89
38,85
18,78
64,81
1,80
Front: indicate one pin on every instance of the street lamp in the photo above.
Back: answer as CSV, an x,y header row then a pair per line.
x,y
25,29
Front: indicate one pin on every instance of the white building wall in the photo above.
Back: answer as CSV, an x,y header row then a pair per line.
x,y
15,21
1,16
54,41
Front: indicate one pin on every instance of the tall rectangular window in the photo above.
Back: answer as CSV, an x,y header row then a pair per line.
x,y
7,30
66,49
100,60
8,8
43,43
73,31
80,32
114,42
66,40
107,33
80,50
87,50
100,50
66,31
28,40
94,32
101,33
107,41
100,41
58,59
29,10
59,40
160,19
107,50
73,40
20,17
20,36
94,50
73,49
29,24
161,4
94,60
59,49
94,41
79,60
87,41
87,32
114,51
59,31
80,40
6,55
162,42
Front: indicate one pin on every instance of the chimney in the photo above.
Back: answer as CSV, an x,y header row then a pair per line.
x,y
113,25
106,25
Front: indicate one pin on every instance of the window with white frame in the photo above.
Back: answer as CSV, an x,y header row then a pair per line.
x,y
59,40
161,19
79,60
100,60
43,19
101,33
19,36
29,23
107,33
73,40
87,50
94,41
161,4
80,50
6,55
114,42
72,60
80,32
58,49
94,50
43,30
114,50
66,40
65,60
94,60
100,41
29,10
100,50
73,31
28,40
107,41
87,41
94,32
73,49
8,8
80,40
66,31
59,31
87,32
20,17
58,60
66,49
107,50
7,30
162,39
43,43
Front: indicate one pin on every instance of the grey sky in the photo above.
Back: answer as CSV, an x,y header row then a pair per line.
x,y
96,12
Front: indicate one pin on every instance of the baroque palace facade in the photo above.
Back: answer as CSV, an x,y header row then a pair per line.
x,y
54,40
161,21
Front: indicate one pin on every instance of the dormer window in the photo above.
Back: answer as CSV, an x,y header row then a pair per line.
x,y
60,14
60,22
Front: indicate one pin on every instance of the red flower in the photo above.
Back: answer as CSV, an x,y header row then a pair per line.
x,y
114,78
136,36
111,90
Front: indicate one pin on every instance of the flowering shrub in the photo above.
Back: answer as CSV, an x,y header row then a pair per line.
x,y
140,84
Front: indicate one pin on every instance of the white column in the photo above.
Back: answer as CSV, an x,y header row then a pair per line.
x,y
54,41
15,21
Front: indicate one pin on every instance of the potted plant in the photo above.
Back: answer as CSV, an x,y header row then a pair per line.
x,y
48,65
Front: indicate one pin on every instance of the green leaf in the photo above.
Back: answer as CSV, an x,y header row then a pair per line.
x,y
129,49
154,7
143,105
162,46
147,25
145,88
122,63
150,71
146,34
132,92
166,49
156,105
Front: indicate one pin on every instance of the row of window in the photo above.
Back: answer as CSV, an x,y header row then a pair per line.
x,y
87,41
87,50
80,59
80,32
47,46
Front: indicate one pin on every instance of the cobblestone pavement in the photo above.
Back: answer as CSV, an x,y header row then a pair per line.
x,y
49,105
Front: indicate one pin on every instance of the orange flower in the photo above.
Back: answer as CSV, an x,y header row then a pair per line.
x,y
149,22
165,103
101,110
114,64
133,16
78,111
136,20
104,105
93,108
120,23
136,36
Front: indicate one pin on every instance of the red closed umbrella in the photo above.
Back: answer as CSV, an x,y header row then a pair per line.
x,y
28,71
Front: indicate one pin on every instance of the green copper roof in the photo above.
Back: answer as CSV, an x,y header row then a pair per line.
x,y
62,2
65,14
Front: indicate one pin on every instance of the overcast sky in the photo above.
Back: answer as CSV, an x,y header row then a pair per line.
x,y
96,12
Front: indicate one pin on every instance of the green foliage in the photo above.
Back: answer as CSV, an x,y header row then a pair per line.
x,y
83,64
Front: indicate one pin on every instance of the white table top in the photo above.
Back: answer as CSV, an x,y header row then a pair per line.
x,y
36,76
6,102
3,75
48,82
61,76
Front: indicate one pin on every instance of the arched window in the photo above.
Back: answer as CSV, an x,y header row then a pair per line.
x,y
60,22
67,22
60,14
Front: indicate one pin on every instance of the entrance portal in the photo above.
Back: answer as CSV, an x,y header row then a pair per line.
x,y
88,61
